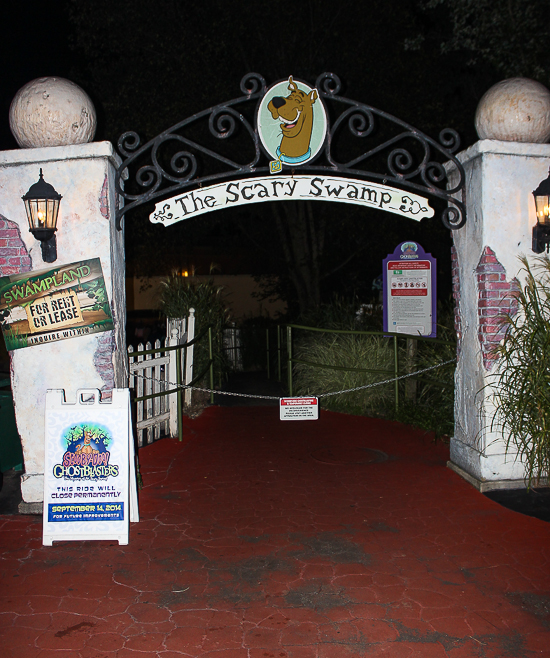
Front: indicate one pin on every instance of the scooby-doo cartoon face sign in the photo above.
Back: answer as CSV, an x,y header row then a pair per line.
x,y
295,112
86,447
292,127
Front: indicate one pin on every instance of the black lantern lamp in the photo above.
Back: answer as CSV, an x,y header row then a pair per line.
x,y
541,232
42,206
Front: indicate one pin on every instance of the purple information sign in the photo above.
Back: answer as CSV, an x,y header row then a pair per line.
x,y
410,291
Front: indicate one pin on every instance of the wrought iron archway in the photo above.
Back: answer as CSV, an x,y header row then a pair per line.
x,y
206,148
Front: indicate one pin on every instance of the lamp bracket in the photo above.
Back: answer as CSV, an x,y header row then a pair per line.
x,y
541,238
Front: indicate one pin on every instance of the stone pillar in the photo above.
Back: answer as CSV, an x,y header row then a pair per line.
x,y
500,178
84,175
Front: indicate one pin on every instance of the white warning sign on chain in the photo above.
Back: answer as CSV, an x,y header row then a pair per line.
x,y
299,408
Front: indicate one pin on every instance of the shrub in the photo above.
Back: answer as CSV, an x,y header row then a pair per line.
x,y
430,406
179,294
347,313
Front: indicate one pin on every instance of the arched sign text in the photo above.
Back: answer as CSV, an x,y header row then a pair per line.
x,y
285,188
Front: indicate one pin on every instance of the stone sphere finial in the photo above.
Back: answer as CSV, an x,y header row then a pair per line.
x,y
52,112
515,110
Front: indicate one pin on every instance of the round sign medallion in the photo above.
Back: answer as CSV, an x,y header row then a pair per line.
x,y
292,123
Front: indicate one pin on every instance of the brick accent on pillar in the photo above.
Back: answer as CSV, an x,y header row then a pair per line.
x,y
14,257
456,297
495,298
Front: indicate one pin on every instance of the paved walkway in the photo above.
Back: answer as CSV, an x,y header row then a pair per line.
x,y
345,537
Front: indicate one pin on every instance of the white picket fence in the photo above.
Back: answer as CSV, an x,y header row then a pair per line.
x,y
155,373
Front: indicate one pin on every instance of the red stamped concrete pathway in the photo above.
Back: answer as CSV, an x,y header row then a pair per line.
x,y
258,540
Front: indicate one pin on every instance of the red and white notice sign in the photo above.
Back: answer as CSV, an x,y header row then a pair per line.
x,y
299,408
409,297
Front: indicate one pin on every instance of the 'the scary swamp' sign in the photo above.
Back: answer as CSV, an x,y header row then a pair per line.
x,y
54,304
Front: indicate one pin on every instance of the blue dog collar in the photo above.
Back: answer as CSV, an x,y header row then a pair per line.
x,y
288,160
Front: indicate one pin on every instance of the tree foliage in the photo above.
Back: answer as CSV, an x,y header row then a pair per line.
x,y
509,35
178,295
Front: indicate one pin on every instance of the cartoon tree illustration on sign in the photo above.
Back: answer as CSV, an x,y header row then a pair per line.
x,y
75,435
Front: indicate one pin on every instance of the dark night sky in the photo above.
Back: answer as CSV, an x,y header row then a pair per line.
x,y
37,41
37,35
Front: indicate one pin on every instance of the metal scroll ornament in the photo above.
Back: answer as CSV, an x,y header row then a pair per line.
x,y
252,135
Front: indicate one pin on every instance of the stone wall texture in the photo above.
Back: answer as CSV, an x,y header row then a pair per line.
x,y
103,362
455,272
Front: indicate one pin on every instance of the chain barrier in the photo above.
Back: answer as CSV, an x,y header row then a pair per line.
x,y
276,397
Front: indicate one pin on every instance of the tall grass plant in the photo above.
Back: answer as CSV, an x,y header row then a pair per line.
x,y
345,351
520,391
429,406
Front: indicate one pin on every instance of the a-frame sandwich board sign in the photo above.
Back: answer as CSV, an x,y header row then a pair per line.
x,y
90,490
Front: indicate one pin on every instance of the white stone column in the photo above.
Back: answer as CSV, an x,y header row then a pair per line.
x,y
500,178
84,175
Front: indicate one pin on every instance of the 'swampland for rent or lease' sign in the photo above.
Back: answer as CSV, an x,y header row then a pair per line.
x,y
285,188
54,304
299,408
89,472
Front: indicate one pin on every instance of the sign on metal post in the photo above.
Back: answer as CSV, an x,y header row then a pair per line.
x,y
89,471
410,291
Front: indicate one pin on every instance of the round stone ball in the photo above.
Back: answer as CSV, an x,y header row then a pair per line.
x,y
52,112
515,110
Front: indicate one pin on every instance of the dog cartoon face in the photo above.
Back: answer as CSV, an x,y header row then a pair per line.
x,y
86,447
295,112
